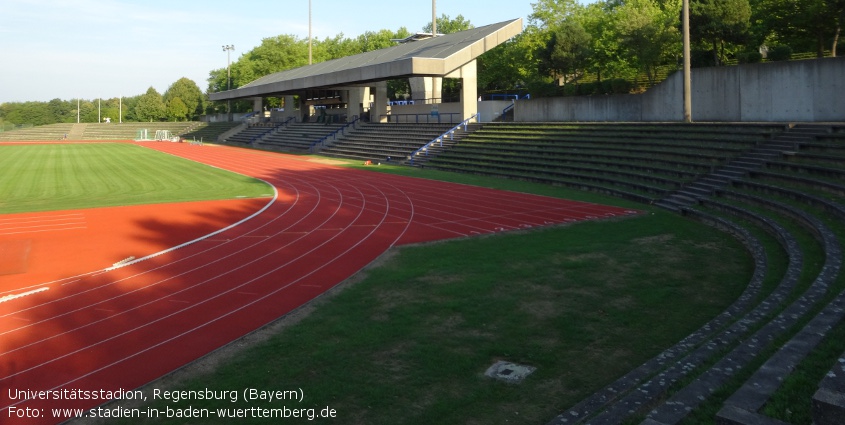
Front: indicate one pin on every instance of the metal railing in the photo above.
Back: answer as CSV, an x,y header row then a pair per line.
x,y
342,130
426,118
439,139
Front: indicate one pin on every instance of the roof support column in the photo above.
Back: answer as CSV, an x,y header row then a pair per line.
x,y
427,89
469,90
290,110
356,101
379,110
258,106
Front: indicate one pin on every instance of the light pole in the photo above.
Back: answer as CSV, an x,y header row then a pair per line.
x,y
434,18
228,49
309,32
687,71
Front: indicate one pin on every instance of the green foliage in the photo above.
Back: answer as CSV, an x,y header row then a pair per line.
x,y
447,25
191,98
716,23
648,32
780,53
176,109
749,57
150,106
566,51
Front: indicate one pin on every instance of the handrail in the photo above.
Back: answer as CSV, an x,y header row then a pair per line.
x,y
321,142
513,104
429,118
448,133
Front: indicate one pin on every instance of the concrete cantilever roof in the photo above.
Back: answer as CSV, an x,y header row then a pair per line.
x,y
433,57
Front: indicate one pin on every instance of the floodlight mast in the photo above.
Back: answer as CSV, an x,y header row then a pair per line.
x,y
434,18
228,49
687,72
309,32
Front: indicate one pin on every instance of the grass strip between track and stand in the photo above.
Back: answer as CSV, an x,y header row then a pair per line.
x,y
45,177
410,341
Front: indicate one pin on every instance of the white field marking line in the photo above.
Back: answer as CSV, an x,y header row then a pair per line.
x,y
21,295
141,288
191,307
33,225
160,282
98,272
51,226
40,231
150,348
534,218
35,219
215,233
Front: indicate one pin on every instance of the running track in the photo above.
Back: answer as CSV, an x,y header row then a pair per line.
x,y
123,328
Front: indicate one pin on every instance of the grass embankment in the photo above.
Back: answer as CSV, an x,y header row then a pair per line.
x,y
410,341
44,177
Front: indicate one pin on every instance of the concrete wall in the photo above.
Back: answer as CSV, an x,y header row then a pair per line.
x,y
489,110
808,90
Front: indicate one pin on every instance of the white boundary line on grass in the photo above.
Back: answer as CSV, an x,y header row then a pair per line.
x,y
217,232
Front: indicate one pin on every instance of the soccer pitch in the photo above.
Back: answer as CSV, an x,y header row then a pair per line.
x,y
46,177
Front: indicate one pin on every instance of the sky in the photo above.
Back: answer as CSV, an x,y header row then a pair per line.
x,y
89,49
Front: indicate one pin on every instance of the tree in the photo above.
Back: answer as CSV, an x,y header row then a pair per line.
x,y
549,14
717,22
150,106
806,25
177,110
189,94
447,25
649,33
566,52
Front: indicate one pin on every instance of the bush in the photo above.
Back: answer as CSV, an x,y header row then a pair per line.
x,y
780,53
749,57
621,86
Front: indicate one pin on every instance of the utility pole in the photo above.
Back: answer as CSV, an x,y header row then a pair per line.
x,y
687,72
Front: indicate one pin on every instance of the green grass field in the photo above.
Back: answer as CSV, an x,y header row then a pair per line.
x,y
43,177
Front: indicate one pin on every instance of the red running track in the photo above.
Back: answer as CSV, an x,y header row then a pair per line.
x,y
123,328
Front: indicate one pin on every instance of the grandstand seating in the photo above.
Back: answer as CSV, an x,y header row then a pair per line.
x,y
97,131
41,132
777,190
209,132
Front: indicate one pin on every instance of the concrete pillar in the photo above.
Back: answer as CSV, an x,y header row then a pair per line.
x,y
379,111
469,90
290,110
357,101
258,106
429,89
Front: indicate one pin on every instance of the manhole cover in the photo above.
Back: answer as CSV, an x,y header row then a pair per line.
x,y
509,372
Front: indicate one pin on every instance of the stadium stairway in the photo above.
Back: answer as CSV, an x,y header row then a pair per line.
x,y
391,141
296,137
776,147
